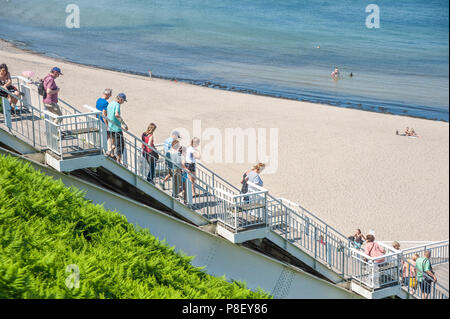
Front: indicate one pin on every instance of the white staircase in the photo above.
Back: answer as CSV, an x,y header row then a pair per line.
x,y
79,141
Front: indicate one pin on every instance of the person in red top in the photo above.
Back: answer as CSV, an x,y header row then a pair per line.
x,y
149,153
373,249
51,100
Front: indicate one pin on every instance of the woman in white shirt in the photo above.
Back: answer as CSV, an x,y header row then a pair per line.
x,y
253,177
192,154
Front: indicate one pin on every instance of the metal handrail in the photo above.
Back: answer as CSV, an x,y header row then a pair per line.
x,y
315,217
299,220
441,289
12,95
416,248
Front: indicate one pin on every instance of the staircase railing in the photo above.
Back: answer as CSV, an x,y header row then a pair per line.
x,y
215,198
424,289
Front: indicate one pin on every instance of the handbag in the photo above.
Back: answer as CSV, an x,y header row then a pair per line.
x,y
155,155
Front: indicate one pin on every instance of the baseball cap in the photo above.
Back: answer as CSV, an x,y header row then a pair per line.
x,y
122,96
56,69
176,133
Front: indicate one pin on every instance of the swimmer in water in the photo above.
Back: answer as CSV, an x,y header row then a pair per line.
x,y
351,74
335,74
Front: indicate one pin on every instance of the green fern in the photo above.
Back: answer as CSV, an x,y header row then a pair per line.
x,y
45,226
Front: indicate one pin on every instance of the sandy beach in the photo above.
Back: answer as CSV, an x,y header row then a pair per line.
x,y
346,166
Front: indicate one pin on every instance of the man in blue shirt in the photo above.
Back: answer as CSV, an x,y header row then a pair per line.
x,y
115,124
102,104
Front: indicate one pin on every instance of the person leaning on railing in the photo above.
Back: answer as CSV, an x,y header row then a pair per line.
x,y
425,274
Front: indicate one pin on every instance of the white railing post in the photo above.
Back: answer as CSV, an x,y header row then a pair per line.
x,y
188,190
135,159
104,136
58,128
7,112
235,215
266,219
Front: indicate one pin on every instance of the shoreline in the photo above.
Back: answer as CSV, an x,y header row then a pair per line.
x,y
346,167
212,85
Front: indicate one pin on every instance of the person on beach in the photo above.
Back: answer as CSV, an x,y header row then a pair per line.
x,y
372,249
411,132
192,155
407,132
115,124
6,84
175,155
52,90
409,273
149,150
174,136
425,274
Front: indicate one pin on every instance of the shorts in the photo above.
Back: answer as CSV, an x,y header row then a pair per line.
x,y
54,109
11,89
425,286
118,141
190,167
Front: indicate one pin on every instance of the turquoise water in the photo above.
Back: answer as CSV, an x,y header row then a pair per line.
x,y
265,47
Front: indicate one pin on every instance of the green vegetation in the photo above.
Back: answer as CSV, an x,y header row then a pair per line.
x,y
44,227
1,105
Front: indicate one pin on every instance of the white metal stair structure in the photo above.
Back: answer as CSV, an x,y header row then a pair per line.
x,y
77,140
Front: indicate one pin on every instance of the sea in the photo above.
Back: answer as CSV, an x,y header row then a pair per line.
x,y
393,56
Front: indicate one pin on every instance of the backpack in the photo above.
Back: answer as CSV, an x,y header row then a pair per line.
x,y
41,89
